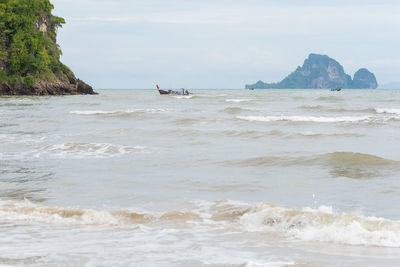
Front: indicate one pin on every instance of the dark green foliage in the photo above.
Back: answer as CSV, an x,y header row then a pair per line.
x,y
29,80
28,40
3,76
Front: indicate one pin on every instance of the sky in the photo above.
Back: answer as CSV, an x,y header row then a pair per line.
x,y
223,43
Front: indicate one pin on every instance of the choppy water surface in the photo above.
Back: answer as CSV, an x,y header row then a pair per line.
x,y
218,178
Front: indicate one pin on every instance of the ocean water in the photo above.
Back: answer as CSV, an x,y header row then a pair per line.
x,y
217,178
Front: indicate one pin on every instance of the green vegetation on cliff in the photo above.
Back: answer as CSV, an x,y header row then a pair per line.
x,y
29,54
28,49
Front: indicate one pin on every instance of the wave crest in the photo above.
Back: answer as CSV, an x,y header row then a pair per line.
x,y
80,150
120,112
340,164
239,100
321,224
305,119
356,159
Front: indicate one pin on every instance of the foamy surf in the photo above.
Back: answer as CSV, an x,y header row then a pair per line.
x,y
136,205
306,119
29,212
120,111
183,96
239,100
317,134
82,150
322,224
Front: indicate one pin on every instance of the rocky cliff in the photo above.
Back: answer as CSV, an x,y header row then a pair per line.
x,y
363,78
321,72
29,53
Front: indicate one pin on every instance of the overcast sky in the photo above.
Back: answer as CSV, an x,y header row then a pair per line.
x,y
223,43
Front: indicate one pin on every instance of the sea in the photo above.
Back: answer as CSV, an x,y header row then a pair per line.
x,y
217,178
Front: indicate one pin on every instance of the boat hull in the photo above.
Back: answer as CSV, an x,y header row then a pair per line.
x,y
163,92
172,92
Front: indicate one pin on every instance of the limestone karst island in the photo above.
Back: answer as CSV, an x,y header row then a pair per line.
x,y
321,72
29,54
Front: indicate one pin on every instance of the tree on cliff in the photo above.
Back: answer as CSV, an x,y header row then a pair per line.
x,y
28,50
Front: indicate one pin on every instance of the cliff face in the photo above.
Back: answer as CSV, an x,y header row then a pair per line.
x,y
320,72
29,54
363,78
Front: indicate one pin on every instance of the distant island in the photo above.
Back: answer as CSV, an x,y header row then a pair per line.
x,y
321,72
29,54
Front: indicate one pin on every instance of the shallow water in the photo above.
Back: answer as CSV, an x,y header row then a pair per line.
x,y
218,178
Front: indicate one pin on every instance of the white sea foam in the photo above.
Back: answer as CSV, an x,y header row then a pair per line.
x,y
323,225
120,111
309,133
317,134
29,212
82,150
388,110
305,119
93,112
238,100
183,96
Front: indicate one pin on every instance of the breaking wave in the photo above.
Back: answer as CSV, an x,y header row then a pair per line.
x,y
33,213
322,224
183,96
239,100
316,134
120,112
306,119
82,150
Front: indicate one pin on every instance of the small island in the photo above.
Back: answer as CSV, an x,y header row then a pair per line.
x,y
321,72
29,54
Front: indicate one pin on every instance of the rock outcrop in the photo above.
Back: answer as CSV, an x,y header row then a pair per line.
x,y
29,54
363,78
321,72
42,87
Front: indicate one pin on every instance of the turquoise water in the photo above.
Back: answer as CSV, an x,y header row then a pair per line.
x,y
218,178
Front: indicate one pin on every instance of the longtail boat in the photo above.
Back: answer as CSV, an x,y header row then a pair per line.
x,y
172,92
